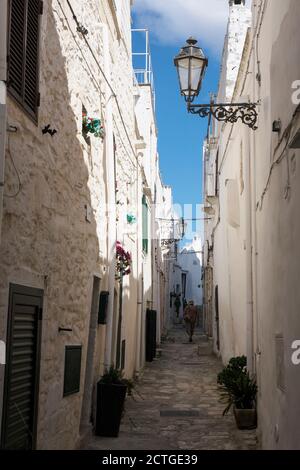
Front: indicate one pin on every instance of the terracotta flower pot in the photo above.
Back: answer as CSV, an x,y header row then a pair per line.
x,y
245,419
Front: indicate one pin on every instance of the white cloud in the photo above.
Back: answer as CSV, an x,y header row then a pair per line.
x,y
173,21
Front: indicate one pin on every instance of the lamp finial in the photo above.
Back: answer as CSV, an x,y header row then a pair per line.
x,y
191,41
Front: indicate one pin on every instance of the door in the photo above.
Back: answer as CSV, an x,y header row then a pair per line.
x,y
217,316
150,335
22,368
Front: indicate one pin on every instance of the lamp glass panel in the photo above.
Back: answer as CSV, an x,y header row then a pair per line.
x,y
197,69
183,74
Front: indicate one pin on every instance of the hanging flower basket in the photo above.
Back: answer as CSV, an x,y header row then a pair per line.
x,y
92,126
124,261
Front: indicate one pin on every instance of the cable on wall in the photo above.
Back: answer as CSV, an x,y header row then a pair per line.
x,y
286,135
16,171
261,13
105,78
97,85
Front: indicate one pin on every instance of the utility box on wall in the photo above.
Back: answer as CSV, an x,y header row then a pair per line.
x,y
72,370
103,304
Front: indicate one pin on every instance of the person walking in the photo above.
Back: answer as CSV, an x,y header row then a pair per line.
x,y
177,304
190,318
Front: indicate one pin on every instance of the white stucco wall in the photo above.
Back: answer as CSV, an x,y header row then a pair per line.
x,y
190,260
260,254
47,241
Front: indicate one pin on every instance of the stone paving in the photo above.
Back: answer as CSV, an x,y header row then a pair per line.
x,y
176,405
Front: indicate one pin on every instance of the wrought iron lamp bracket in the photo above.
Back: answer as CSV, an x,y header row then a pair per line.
x,y
227,112
167,242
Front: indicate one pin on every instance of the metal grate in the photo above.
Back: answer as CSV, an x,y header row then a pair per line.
x,y
193,363
179,413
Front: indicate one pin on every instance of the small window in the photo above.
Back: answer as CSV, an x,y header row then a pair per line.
x,y
23,53
103,305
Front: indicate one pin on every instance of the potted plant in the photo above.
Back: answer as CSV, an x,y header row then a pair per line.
x,y
239,389
92,125
111,393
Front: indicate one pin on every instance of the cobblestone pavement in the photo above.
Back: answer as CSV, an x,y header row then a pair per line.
x,y
176,404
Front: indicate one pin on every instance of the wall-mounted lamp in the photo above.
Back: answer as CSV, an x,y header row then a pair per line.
x,y
191,65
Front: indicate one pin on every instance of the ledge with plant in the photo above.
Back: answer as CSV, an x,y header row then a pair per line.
x,y
92,126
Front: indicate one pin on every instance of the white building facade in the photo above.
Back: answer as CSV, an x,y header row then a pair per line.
x,y
251,191
81,168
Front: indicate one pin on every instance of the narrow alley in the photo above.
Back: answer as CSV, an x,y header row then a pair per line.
x,y
175,404
149,186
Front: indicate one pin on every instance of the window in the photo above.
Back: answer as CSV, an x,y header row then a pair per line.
x,y
23,53
145,225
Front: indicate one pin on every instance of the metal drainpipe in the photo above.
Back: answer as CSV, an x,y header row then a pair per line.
x,y
110,178
249,252
3,77
139,274
256,327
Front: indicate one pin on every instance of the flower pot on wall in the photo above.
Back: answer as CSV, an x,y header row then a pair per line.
x,y
245,419
110,404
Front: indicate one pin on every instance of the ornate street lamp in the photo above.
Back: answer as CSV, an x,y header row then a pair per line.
x,y
180,229
191,64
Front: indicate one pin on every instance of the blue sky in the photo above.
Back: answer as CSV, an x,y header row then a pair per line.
x,y
180,135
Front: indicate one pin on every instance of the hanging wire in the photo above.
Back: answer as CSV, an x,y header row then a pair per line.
x,y
178,220
105,78
16,171
286,135
190,252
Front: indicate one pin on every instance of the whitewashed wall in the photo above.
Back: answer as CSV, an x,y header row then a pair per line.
x,y
255,257
190,260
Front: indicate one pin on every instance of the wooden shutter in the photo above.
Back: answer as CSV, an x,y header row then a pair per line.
x,y
23,53
22,368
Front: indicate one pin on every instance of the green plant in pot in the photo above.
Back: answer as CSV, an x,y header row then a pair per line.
x,y
111,394
239,389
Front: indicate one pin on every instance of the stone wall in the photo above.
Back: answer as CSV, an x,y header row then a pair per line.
x,y
56,232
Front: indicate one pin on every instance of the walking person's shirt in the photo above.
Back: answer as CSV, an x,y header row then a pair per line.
x,y
190,313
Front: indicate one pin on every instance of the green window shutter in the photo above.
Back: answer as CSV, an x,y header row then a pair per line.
x,y
145,225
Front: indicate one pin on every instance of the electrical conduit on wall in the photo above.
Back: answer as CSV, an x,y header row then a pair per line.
x,y
110,177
